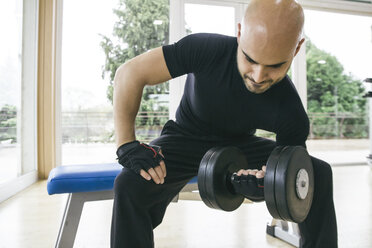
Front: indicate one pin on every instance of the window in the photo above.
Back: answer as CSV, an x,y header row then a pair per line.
x,y
10,83
18,76
92,47
201,18
86,112
336,67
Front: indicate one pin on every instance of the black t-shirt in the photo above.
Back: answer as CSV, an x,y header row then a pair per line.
x,y
216,101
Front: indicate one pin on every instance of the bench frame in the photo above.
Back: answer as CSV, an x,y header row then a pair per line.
x,y
74,208
75,204
71,216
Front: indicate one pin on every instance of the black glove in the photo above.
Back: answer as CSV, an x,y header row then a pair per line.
x,y
249,186
136,156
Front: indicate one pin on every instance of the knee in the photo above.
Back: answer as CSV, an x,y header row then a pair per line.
x,y
322,169
125,182
323,175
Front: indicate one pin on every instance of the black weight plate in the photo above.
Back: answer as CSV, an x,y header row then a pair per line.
x,y
202,187
223,162
280,183
205,183
289,205
269,182
213,178
299,209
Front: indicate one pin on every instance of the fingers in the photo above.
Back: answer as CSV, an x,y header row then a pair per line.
x,y
145,175
164,170
260,174
240,172
246,172
252,172
257,173
154,174
157,174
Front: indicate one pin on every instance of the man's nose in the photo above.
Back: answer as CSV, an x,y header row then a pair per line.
x,y
259,74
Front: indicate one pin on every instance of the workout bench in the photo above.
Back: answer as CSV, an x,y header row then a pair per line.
x,y
94,182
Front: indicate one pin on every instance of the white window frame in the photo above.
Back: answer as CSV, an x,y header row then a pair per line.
x,y
338,6
27,173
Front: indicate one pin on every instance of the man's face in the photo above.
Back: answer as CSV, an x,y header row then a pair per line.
x,y
262,62
257,77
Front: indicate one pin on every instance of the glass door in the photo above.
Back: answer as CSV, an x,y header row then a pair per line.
x,y
18,77
10,85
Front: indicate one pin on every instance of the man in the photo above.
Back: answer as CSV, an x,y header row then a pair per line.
x,y
234,86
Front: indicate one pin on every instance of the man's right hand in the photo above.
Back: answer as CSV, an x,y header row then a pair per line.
x,y
146,160
250,183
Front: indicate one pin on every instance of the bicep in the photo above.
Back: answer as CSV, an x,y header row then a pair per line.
x,y
150,67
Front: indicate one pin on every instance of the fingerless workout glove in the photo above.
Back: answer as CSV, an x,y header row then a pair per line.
x,y
136,156
249,186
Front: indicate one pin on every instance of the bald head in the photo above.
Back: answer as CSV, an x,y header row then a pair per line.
x,y
276,24
275,13
269,37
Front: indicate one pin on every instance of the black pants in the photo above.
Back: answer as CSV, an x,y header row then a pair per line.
x,y
139,205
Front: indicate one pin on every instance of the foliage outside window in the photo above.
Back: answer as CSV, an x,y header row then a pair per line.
x,y
336,106
8,123
141,26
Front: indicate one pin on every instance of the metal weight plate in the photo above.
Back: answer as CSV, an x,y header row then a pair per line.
x,y
216,168
294,162
269,182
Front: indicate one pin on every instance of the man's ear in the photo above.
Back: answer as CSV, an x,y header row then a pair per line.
x,y
239,32
299,46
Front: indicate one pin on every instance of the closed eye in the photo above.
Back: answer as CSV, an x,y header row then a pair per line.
x,y
250,60
275,66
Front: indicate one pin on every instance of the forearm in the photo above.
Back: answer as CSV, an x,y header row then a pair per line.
x,y
130,79
126,99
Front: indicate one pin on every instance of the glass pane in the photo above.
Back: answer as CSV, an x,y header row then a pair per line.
x,y
86,112
338,52
10,85
94,46
201,18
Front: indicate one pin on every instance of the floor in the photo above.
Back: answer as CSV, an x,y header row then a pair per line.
x,y
31,219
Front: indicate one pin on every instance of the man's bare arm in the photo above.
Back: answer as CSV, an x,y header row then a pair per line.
x,y
130,79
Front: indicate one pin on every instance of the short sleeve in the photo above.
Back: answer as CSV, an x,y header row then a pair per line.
x,y
193,53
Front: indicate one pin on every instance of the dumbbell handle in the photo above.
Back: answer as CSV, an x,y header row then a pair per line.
x,y
248,186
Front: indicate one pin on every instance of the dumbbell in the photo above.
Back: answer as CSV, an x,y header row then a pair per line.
x,y
288,182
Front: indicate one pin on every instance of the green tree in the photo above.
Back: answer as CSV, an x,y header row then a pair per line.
x,y
141,25
8,123
330,90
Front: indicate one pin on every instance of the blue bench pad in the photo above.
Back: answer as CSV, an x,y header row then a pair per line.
x,y
84,178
